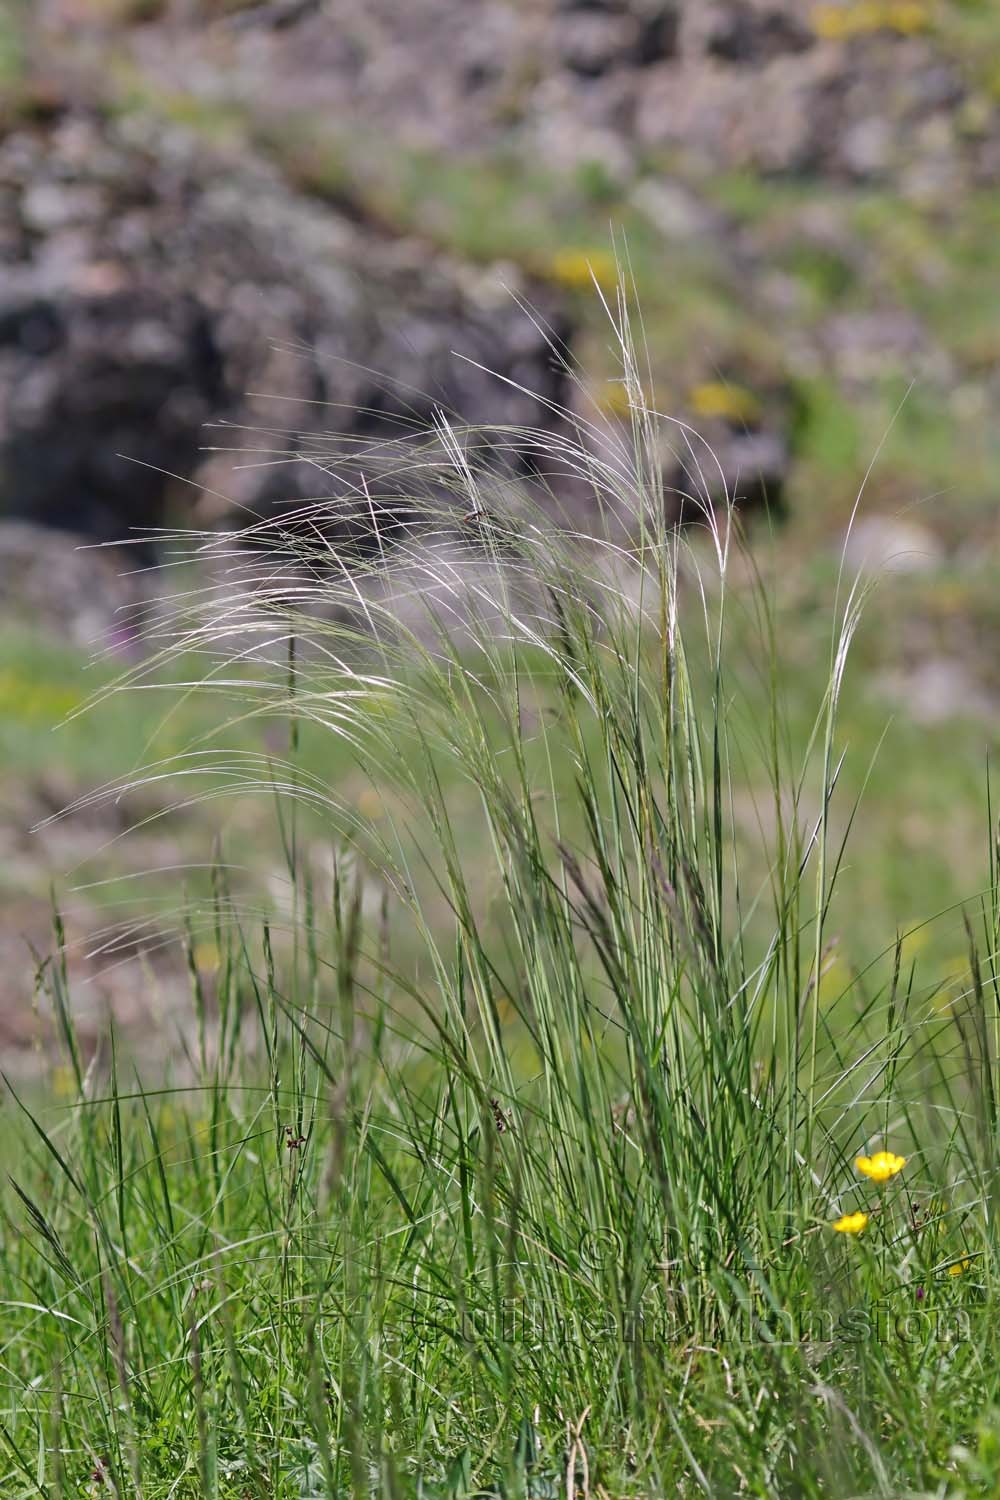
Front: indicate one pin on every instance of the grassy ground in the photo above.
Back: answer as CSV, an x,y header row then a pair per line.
x,y
522,1160
919,849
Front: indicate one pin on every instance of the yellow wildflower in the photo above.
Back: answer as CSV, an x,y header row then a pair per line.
x,y
907,17
370,804
830,22
506,1010
206,957
613,399
881,1166
718,398
63,1081
835,22
851,1223
577,270
959,1267
835,977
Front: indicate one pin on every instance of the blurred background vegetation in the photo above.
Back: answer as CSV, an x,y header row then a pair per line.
x,y
287,216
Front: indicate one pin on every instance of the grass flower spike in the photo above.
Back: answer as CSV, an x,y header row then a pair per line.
x,y
851,1223
881,1166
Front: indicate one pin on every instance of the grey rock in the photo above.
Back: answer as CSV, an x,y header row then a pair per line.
x,y
181,288
937,690
59,584
892,544
675,211
863,346
731,83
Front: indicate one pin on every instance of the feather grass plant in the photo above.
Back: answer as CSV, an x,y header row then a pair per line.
x,y
521,1161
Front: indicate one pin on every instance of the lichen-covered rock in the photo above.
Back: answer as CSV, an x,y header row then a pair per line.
x,y
150,287
856,90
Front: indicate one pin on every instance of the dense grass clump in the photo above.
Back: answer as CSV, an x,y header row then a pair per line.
x,y
521,1156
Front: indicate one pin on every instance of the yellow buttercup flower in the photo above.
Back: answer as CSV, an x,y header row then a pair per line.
x,y
370,804
907,17
851,1223
959,1267
63,1082
206,957
578,270
613,399
881,1166
720,398
841,21
506,1009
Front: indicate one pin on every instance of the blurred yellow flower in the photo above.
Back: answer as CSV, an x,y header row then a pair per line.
x,y
718,398
577,270
63,1081
832,22
206,956
835,977
851,1223
613,399
907,17
863,17
881,1166
506,1010
915,939
955,975
370,804
959,1267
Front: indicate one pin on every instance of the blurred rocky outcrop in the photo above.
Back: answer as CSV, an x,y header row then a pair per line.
x,y
148,287
153,279
63,586
852,88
